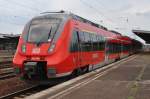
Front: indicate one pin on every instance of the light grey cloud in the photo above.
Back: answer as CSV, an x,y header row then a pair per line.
x,y
122,15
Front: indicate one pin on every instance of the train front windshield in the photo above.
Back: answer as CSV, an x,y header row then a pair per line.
x,y
43,30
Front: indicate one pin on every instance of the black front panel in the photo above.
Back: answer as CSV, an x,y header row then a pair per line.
x,y
35,70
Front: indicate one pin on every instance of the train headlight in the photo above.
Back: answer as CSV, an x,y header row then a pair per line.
x,y
51,48
23,48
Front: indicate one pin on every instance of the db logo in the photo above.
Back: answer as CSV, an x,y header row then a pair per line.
x,y
36,50
95,55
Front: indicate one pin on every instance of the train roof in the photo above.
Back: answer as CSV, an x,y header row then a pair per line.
x,y
76,17
115,32
63,14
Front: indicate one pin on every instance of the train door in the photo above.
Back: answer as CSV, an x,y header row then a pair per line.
x,y
121,49
106,51
77,48
80,37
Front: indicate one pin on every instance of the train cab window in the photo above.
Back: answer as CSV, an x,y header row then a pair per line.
x,y
42,30
25,31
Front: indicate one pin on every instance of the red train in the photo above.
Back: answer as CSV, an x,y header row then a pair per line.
x,y
59,44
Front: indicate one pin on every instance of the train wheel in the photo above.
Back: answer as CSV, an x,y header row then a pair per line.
x,y
85,69
80,71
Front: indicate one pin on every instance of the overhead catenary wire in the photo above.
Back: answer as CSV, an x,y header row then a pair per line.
x,y
12,15
12,18
12,10
97,10
22,5
110,21
100,4
15,20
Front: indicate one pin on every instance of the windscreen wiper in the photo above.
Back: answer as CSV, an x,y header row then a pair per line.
x,y
49,34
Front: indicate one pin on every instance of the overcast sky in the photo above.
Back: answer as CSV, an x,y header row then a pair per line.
x,y
121,15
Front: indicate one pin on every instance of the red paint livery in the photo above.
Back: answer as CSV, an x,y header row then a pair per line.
x,y
59,44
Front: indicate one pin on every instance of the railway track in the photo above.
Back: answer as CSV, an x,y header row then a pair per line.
x,y
6,59
6,70
27,91
7,76
33,89
6,64
6,73
23,93
37,88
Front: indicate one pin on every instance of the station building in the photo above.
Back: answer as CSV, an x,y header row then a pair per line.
x,y
8,42
145,35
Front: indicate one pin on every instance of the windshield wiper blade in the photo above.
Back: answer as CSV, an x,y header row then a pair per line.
x,y
49,34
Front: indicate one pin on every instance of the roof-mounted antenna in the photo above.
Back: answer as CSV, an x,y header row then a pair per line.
x,y
61,11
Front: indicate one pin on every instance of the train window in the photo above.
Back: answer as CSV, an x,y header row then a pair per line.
x,y
101,42
102,39
87,43
86,35
94,42
43,30
91,41
97,42
110,48
114,48
81,37
25,31
95,38
91,37
74,42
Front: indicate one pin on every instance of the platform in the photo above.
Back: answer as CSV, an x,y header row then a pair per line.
x,y
129,79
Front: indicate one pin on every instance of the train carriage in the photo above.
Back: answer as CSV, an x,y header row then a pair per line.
x,y
60,44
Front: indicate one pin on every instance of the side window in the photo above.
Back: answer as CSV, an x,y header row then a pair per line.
x,y
111,48
81,37
97,42
101,42
86,35
74,42
87,44
94,42
91,37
